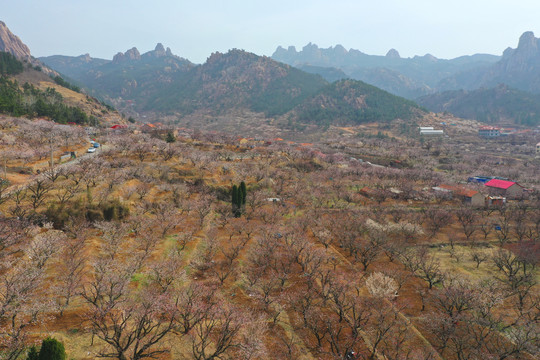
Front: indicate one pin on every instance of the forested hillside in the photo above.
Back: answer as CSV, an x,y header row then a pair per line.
x,y
355,102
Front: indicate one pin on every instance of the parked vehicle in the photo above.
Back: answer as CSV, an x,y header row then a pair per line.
x,y
96,145
91,150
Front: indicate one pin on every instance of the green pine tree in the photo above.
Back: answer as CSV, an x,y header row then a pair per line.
x,y
52,349
32,354
170,137
243,192
235,203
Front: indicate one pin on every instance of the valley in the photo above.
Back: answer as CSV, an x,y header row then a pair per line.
x,y
245,209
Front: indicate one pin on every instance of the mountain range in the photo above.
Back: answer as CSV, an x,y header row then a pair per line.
x,y
314,85
408,77
161,82
483,87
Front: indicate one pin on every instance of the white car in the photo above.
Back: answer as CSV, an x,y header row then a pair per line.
x,y
91,150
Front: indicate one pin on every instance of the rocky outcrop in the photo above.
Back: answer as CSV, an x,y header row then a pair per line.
x,y
527,53
12,44
85,58
393,54
519,67
131,54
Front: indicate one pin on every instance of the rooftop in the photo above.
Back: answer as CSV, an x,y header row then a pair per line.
x,y
460,191
500,184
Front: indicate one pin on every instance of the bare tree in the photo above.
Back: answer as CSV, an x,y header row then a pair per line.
x,y
71,269
435,219
38,190
131,326
22,304
467,218
218,336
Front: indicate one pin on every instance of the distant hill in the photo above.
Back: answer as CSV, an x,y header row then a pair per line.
x,y
408,77
355,102
237,79
73,66
129,76
330,74
393,81
500,104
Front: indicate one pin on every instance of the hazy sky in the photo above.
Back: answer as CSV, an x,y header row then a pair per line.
x,y
194,29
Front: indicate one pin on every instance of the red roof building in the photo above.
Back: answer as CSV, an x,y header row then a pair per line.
x,y
510,189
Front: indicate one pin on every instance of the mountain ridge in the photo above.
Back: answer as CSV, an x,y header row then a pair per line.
x,y
407,77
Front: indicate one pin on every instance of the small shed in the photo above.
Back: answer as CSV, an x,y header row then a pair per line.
x,y
495,201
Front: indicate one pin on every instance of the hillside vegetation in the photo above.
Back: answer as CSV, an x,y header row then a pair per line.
x,y
26,91
355,102
238,79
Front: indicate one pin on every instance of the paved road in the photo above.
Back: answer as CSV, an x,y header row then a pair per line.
x,y
42,176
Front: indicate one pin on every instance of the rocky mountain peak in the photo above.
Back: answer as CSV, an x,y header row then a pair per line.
x,y
393,54
131,54
339,49
430,57
310,48
12,44
528,45
527,41
159,51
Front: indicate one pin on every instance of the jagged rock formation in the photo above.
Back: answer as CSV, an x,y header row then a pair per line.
x,y
520,67
12,44
131,54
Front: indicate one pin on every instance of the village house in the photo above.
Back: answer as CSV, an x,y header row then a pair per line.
x,y
489,131
508,189
467,196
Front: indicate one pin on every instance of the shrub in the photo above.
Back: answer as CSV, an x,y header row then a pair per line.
x,y
115,211
52,349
